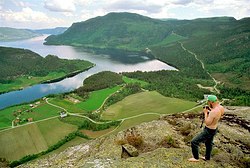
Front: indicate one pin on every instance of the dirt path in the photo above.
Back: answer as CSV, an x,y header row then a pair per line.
x,y
203,67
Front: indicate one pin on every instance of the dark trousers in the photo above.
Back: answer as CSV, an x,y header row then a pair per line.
x,y
207,136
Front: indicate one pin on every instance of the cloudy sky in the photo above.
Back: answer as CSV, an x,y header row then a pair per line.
x,y
37,14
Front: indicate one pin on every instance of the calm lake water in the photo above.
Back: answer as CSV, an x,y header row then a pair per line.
x,y
122,62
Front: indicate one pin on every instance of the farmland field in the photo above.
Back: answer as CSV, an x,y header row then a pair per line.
x,y
42,112
96,134
32,138
38,112
131,80
6,115
146,102
96,98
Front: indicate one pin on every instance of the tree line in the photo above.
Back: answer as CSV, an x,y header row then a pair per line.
x,y
16,62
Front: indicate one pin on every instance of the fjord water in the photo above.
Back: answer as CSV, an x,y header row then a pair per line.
x,y
132,62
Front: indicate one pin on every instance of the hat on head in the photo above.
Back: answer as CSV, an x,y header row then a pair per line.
x,y
212,98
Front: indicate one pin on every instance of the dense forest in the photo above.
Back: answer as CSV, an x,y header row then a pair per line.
x,y
18,62
99,81
114,30
170,84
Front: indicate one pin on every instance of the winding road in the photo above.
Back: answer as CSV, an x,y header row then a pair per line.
x,y
203,67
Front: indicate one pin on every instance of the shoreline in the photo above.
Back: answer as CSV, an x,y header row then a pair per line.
x,y
66,76
51,80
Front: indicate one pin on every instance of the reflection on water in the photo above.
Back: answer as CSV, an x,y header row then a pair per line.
x,y
105,60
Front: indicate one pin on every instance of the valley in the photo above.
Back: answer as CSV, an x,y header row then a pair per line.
x,y
116,75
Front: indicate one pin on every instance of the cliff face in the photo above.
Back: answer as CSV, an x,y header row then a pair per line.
x,y
161,143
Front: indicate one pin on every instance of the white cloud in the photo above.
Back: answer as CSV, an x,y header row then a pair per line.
x,y
235,8
28,17
60,5
147,6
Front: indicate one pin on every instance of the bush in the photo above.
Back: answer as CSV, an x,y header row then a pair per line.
x,y
131,137
169,142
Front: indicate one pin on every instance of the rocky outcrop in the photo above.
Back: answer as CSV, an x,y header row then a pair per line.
x,y
131,150
160,143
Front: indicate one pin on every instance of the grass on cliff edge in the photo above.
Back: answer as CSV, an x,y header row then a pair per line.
x,y
146,102
32,138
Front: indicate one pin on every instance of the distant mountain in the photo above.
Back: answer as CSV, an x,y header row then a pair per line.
x,y
114,30
12,34
54,31
221,43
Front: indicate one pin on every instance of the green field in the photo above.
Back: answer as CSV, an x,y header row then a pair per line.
x,y
146,102
26,81
135,121
39,112
96,98
171,39
32,138
96,134
42,112
66,104
6,115
131,80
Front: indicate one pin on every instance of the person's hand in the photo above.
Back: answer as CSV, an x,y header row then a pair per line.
x,y
205,110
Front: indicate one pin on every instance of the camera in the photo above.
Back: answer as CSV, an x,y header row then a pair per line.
x,y
206,107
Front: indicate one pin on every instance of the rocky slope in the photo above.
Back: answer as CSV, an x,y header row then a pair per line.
x,y
161,143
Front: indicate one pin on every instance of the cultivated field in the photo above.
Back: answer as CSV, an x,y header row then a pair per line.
x,y
23,112
146,102
32,138
131,80
96,98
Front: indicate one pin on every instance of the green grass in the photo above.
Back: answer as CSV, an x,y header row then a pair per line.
x,y
6,115
135,121
54,130
32,138
74,120
68,105
96,134
42,111
146,102
171,39
96,98
131,80
24,81
21,141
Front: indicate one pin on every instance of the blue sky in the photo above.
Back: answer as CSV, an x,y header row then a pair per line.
x,y
38,14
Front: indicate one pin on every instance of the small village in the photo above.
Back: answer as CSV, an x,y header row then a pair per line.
x,y
27,114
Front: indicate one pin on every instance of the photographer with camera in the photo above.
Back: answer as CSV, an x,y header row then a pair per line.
x,y
212,114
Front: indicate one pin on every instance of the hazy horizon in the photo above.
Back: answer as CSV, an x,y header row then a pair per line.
x,y
42,14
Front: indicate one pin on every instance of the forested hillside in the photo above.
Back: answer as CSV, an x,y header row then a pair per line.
x,y
55,31
19,62
114,30
11,34
221,43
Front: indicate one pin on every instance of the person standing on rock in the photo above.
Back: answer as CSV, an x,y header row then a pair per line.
x,y
212,117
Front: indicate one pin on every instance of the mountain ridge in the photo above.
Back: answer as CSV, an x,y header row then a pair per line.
x,y
13,34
